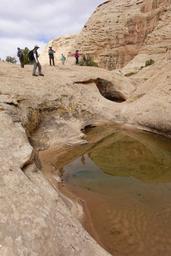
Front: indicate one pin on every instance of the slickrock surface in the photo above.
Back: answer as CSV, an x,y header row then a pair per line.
x,y
51,111
42,112
151,103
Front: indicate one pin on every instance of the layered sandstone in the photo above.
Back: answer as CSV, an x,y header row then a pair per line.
x,y
118,30
63,44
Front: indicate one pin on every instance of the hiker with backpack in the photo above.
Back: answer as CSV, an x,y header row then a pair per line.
x,y
34,59
51,56
20,55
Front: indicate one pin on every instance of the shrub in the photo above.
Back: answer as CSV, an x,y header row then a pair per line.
x,y
88,61
11,59
26,58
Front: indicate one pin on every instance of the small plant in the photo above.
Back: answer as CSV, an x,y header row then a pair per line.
x,y
149,62
11,59
88,61
25,54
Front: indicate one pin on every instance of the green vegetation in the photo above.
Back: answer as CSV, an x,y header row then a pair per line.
x,y
149,62
88,61
11,59
25,54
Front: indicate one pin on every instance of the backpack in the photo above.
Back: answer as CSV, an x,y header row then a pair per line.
x,y
31,56
51,52
20,54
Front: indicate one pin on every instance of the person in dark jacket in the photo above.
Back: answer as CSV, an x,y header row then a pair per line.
x,y
51,56
36,63
20,55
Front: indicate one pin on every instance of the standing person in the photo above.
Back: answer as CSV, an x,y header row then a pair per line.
x,y
34,58
51,56
20,55
77,56
63,58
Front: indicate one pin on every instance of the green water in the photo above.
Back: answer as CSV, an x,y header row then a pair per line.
x,y
125,181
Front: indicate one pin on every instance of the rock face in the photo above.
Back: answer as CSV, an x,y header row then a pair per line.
x,y
61,45
37,113
35,220
151,103
51,112
118,30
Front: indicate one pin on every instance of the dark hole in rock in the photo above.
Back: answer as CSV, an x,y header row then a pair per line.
x,y
87,128
108,91
106,88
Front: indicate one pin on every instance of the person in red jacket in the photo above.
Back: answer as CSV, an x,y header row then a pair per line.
x,y
77,56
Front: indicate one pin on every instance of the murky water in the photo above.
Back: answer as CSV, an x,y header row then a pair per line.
x,y
125,181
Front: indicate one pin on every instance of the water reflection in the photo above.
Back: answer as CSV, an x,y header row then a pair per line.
x,y
142,156
126,183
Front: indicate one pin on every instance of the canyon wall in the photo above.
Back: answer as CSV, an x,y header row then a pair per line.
x,y
63,44
118,30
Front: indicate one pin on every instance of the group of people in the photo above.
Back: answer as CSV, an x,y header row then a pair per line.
x,y
51,53
34,59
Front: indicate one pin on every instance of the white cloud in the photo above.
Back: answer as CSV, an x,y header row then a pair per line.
x,y
9,45
29,22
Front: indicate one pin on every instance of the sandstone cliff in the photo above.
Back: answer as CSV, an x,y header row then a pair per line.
x,y
118,30
61,45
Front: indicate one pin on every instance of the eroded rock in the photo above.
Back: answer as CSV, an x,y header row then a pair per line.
x,y
117,31
34,218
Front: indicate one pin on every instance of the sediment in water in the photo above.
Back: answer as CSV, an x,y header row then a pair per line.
x,y
144,146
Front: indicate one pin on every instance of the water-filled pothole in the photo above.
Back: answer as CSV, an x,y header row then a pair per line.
x,y
125,182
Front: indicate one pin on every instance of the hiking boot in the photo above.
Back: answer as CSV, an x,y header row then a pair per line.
x,y
41,74
34,75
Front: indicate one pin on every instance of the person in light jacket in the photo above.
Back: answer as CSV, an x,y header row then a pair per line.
x,y
36,63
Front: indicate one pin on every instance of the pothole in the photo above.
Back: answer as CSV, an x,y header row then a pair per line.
x,y
106,89
87,128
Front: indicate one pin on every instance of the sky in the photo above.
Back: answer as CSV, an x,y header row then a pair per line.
x,y
31,22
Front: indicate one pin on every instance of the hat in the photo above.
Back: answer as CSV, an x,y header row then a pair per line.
x,y
36,46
